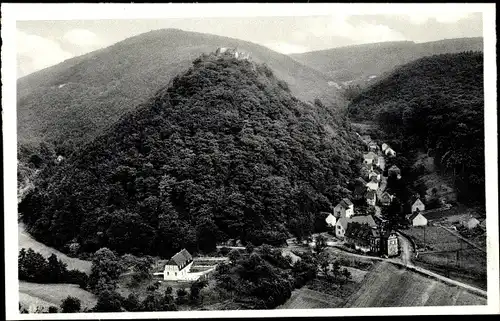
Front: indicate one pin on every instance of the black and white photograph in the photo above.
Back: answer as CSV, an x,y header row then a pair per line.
x,y
243,160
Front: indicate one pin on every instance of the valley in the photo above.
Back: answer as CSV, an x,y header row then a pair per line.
x,y
210,173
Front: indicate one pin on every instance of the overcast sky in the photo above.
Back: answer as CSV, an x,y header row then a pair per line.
x,y
42,44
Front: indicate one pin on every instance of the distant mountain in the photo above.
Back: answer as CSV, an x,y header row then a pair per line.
x,y
78,98
222,151
434,104
363,63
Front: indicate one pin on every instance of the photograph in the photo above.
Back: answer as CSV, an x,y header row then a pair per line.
x,y
249,160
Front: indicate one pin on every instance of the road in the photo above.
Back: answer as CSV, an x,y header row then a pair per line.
x,y
406,249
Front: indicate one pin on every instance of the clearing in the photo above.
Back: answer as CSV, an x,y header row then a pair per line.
x,y
27,241
407,289
37,294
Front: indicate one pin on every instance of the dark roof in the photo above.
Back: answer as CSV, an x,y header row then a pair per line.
x,y
347,201
370,194
412,216
180,259
363,219
394,168
360,181
359,231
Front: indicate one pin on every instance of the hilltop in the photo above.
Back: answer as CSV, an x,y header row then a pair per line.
x,y
363,63
77,99
223,151
434,105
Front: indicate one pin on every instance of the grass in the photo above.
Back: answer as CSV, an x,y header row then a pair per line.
x,y
26,241
389,286
52,294
309,299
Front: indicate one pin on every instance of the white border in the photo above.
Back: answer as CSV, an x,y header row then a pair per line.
x,y
15,12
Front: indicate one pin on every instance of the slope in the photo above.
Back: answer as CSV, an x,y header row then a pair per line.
x,y
78,98
434,104
357,63
224,151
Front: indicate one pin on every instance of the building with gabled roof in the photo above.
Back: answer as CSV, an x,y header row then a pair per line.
x,y
369,158
178,266
418,205
371,197
417,219
390,152
386,198
394,171
344,208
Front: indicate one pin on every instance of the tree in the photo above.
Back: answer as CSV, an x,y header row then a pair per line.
x,y
194,293
324,261
346,274
70,305
320,243
105,271
56,269
132,303
53,309
182,296
109,301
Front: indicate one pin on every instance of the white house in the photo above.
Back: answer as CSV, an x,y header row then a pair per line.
x,y
380,162
373,184
384,146
177,268
331,220
369,157
390,152
417,219
417,206
344,208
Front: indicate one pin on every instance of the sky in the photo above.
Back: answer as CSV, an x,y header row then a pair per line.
x,y
43,43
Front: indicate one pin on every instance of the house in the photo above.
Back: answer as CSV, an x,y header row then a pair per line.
x,y
384,147
344,208
390,152
386,199
330,219
371,197
394,171
341,226
366,139
417,219
380,162
470,223
372,146
177,268
362,236
369,158
417,206
389,243
373,184
359,192
374,173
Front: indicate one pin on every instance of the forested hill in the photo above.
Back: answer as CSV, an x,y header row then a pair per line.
x,y
436,104
75,100
225,151
359,62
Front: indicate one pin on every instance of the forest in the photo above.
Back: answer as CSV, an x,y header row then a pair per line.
x,y
434,104
223,151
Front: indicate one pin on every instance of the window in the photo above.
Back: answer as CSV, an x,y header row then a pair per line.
x,y
175,273
167,273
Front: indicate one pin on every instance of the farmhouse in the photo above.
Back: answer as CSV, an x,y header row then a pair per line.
x,y
417,206
394,171
371,197
369,158
386,199
362,236
470,223
417,219
177,268
344,208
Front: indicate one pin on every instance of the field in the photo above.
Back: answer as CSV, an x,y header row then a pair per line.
x,y
52,294
389,286
26,241
469,265
308,299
